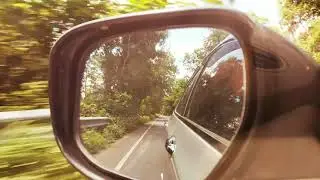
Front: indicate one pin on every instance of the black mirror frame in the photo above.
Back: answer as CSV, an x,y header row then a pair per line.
x,y
68,57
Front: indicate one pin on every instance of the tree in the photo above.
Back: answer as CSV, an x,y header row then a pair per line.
x,y
294,12
194,59
29,28
306,14
310,40
170,101
135,65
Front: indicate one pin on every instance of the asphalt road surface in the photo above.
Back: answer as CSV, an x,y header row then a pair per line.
x,y
141,154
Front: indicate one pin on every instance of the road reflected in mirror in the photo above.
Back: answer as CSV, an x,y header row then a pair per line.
x,y
162,104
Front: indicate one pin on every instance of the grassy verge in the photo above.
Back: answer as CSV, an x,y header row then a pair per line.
x,y
96,140
28,151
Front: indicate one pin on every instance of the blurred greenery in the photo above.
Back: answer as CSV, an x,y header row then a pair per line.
x,y
32,95
28,29
310,41
302,19
27,32
294,12
29,151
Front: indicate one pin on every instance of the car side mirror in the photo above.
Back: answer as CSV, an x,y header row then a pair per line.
x,y
120,71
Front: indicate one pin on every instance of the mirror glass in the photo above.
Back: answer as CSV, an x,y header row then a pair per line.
x,y
162,104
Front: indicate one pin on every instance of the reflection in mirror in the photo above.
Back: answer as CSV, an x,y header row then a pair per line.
x,y
149,97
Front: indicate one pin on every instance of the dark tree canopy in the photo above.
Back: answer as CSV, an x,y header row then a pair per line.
x,y
135,65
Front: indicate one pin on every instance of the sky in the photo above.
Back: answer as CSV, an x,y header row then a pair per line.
x,y
182,41
186,40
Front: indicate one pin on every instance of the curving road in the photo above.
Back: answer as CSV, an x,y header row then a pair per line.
x,y
141,153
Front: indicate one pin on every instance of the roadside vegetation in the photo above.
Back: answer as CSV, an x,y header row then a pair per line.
x,y
97,139
29,151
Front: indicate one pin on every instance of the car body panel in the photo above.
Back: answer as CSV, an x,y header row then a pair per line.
x,y
193,158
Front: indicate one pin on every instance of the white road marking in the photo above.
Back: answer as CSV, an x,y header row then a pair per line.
x,y
174,168
126,157
161,176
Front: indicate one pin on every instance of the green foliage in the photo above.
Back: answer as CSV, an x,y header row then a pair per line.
x,y
96,140
144,119
29,151
294,12
93,140
310,41
306,14
170,101
128,75
146,106
106,104
142,5
114,130
30,95
29,28
118,103
92,110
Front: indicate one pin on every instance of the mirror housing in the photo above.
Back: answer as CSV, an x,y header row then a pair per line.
x,y
69,54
